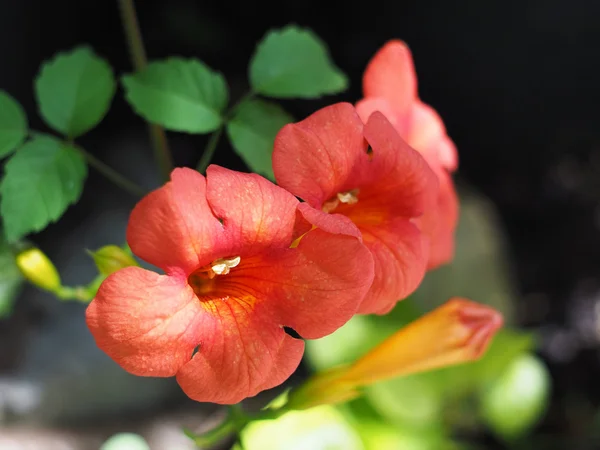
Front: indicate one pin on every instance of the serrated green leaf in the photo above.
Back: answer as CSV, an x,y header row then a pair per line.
x,y
294,62
252,132
11,279
13,124
41,180
74,91
179,94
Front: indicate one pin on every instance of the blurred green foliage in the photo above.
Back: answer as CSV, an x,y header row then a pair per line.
x,y
125,441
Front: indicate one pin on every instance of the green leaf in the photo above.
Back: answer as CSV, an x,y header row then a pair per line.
x,y
13,124
294,62
413,400
74,91
320,428
518,399
11,279
383,436
179,94
41,180
252,132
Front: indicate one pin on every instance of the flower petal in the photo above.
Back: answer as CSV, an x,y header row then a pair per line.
x,y
242,353
400,179
447,154
173,227
439,223
330,223
316,287
368,106
148,323
391,74
255,212
427,134
314,158
400,255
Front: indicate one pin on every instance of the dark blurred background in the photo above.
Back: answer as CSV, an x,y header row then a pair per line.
x,y
516,83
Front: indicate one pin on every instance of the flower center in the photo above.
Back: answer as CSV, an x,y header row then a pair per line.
x,y
202,279
348,198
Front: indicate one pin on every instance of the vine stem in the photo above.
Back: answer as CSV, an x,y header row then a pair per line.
x,y
158,136
112,174
213,141
209,150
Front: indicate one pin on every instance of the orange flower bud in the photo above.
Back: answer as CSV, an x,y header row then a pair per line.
x,y
457,332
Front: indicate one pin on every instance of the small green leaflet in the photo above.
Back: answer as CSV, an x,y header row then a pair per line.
x,y
252,131
11,279
13,124
41,180
74,91
179,94
294,62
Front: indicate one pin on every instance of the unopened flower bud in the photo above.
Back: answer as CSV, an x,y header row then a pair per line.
x,y
457,332
111,258
37,268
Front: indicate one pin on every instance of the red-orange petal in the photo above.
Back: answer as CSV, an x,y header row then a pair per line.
x,y
174,228
242,352
256,213
400,256
148,323
447,154
439,223
368,106
426,133
391,74
316,287
398,177
314,158
330,223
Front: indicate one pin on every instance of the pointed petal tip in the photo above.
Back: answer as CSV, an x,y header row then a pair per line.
x,y
482,322
391,74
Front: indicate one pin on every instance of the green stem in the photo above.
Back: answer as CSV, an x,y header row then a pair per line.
x,y
235,423
213,436
158,136
77,293
209,150
213,141
112,174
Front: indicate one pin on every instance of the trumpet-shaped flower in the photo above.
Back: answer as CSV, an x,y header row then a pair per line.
x,y
370,175
390,86
232,281
459,331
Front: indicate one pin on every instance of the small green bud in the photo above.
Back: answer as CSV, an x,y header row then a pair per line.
x,y
111,258
37,268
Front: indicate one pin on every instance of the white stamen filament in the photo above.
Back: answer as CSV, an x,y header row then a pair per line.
x,y
222,266
349,197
